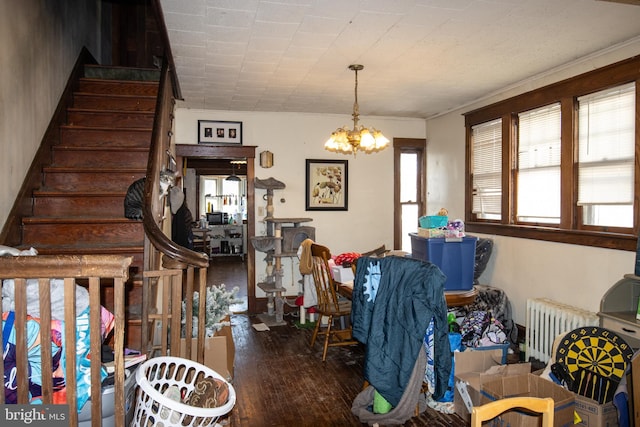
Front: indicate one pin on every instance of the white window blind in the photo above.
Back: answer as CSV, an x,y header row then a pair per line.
x,y
538,184
487,169
606,146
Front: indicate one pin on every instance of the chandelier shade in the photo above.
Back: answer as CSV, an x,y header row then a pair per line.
x,y
350,141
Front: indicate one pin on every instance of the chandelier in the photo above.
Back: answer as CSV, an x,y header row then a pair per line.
x,y
360,138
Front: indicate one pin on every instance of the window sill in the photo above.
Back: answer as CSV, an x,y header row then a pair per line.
x,y
626,242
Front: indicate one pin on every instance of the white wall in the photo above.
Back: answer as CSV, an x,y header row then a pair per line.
x,y
295,137
573,274
40,40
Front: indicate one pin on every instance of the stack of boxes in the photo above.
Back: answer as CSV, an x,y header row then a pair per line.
x,y
480,378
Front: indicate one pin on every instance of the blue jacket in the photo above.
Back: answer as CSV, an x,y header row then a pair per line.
x,y
394,299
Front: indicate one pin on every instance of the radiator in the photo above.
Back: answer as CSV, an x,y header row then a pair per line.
x,y
546,319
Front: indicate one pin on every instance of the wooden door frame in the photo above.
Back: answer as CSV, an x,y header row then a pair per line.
x,y
247,152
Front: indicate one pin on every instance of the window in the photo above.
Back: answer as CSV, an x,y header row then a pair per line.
x,y
487,169
606,157
538,168
221,195
558,163
408,197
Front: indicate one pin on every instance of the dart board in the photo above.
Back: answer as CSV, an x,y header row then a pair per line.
x,y
594,349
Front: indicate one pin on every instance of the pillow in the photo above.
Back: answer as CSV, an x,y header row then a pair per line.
x,y
209,393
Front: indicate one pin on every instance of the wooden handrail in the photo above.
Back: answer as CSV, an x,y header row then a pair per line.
x,y
153,209
164,35
174,256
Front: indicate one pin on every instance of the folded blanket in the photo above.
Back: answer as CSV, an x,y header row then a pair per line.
x,y
33,302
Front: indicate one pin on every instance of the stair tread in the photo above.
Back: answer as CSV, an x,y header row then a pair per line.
x,y
106,112
113,95
105,128
77,219
118,81
99,148
44,192
73,169
151,75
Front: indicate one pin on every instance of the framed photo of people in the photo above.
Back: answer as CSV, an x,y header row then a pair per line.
x,y
223,132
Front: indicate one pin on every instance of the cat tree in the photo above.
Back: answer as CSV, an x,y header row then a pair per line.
x,y
272,245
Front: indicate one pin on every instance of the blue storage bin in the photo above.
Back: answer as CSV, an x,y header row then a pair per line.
x,y
456,259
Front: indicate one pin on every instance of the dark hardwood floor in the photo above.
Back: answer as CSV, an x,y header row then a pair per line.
x,y
281,381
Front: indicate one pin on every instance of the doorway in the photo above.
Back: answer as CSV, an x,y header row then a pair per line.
x,y
409,188
215,161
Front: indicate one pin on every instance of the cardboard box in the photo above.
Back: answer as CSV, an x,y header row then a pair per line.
x,y
219,352
342,274
504,347
534,386
472,369
634,393
593,414
430,232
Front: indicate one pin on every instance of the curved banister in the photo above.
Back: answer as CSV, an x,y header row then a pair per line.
x,y
153,206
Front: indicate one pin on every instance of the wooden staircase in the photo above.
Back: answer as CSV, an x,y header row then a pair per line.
x,y
103,147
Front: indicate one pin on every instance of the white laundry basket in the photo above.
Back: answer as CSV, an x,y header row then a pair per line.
x,y
156,375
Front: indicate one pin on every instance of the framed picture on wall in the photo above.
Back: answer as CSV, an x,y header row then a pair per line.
x,y
212,132
326,185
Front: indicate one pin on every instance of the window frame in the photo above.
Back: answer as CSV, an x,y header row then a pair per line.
x,y
566,92
415,146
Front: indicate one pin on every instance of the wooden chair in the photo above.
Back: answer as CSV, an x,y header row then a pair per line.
x,y
328,303
491,410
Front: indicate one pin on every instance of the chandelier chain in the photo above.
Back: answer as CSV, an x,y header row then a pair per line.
x,y
356,108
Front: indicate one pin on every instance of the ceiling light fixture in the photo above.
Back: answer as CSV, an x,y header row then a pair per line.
x,y
360,138
233,176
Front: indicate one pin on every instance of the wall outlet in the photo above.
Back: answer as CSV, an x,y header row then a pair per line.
x,y
260,211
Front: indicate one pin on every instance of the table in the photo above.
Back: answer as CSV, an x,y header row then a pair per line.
x,y
453,298
202,234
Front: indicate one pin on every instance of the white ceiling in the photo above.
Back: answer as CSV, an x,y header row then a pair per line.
x,y
420,57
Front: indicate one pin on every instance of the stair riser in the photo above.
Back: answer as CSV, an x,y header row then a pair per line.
x,y
90,181
97,137
74,206
106,159
110,119
118,87
133,336
134,295
97,102
85,233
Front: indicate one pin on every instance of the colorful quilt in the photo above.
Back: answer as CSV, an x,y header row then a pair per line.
x,y
83,363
